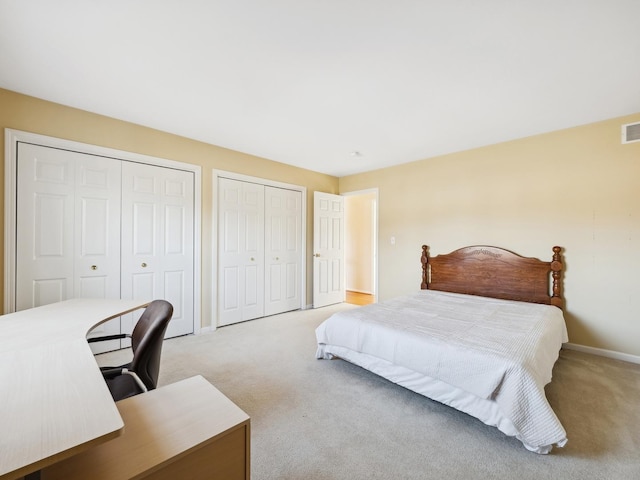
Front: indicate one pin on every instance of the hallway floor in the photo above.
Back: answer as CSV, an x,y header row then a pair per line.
x,y
358,298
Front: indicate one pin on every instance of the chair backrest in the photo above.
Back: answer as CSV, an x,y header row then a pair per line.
x,y
146,341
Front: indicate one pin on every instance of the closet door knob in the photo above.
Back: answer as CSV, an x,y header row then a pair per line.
x,y
144,265
94,267
252,259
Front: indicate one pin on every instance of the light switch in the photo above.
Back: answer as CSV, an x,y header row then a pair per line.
x,y
393,240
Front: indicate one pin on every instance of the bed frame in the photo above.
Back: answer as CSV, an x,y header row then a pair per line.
x,y
495,272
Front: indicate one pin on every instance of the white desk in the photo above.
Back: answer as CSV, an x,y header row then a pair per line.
x,y
187,429
54,402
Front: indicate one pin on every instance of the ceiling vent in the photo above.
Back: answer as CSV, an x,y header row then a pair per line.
x,y
631,132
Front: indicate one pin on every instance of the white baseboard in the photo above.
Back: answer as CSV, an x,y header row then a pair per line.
x,y
206,330
603,352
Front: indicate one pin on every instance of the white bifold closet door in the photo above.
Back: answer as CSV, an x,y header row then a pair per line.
x,y
240,251
95,227
259,250
157,241
68,230
283,250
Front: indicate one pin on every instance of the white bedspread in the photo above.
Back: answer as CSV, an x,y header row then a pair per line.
x,y
497,350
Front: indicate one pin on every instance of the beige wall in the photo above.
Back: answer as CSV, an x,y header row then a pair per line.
x,y
37,116
578,188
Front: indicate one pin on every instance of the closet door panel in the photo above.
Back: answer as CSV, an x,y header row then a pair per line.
x,y
97,228
49,291
97,237
178,248
175,282
140,233
230,276
230,267
283,243
157,240
44,230
240,251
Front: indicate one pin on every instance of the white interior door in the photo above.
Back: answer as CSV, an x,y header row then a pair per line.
x,y
158,242
328,249
240,251
68,230
283,234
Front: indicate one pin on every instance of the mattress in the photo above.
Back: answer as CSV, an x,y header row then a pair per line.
x,y
486,357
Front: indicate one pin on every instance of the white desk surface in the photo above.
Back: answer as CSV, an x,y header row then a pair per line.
x,y
162,426
54,402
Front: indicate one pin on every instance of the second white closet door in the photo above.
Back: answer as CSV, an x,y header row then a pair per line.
x,y
157,241
259,250
283,244
240,251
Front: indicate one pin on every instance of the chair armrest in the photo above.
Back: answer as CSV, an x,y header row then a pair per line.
x,y
111,372
135,376
107,337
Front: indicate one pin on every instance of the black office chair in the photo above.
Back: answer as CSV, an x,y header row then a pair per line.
x,y
142,373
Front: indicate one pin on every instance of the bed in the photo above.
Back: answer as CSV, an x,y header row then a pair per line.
x,y
481,335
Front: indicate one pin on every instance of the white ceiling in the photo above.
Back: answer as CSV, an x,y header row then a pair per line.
x,y
310,82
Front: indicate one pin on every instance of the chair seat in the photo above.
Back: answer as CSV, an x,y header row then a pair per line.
x,y
123,386
110,372
146,344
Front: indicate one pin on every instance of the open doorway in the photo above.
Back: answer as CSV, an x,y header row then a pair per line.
x,y
361,248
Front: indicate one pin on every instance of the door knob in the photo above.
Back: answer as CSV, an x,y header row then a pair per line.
x,y
316,254
252,259
94,267
144,265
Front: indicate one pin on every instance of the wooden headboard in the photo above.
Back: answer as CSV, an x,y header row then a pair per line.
x,y
495,272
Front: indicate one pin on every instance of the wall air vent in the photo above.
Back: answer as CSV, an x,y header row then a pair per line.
x,y
631,132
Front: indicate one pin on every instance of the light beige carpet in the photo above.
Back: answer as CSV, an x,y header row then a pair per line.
x,y
320,419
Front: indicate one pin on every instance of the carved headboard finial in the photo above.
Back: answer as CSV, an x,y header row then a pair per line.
x,y
425,267
556,269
